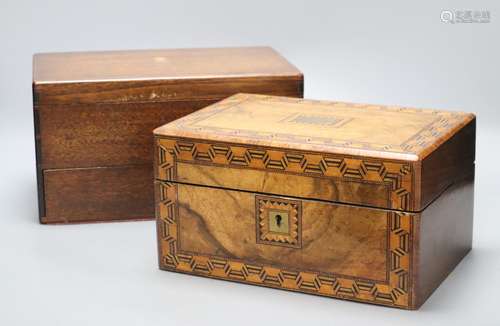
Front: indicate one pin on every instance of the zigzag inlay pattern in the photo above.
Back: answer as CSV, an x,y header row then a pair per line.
x,y
397,175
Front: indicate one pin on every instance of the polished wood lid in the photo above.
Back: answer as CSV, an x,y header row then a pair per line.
x,y
77,67
387,132
145,76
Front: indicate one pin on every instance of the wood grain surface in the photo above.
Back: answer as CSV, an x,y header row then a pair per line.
x,y
448,164
285,184
444,236
129,65
98,194
97,110
313,175
149,91
336,239
96,135
386,132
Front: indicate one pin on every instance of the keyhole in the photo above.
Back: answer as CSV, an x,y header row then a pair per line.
x,y
278,220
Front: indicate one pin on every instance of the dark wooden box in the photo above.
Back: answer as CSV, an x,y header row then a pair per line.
x,y
360,202
94,113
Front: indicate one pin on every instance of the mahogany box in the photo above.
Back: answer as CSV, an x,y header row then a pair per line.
x,y
94,113
361,202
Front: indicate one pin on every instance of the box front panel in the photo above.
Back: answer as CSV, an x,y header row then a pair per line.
x,y
310,246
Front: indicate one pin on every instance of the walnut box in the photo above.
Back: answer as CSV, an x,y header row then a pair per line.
x,y
94,114
361,202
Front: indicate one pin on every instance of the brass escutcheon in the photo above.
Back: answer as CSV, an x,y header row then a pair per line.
x,y
279,221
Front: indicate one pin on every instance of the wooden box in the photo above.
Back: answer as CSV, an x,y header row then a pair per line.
x,y
94,114
360,202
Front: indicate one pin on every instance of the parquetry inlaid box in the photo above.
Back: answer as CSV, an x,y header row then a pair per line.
x,y
94,113
360,202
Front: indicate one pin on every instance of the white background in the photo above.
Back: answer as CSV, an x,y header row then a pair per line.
x,y
370,52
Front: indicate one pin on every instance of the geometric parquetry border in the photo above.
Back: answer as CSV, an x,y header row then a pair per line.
x,y
397,292
397,176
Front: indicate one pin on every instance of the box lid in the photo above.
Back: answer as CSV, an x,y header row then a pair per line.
x,y
154,75
372,155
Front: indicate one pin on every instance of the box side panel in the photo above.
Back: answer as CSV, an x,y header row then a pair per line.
x,y
321,248
444,236
98,194
448,164
38,156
